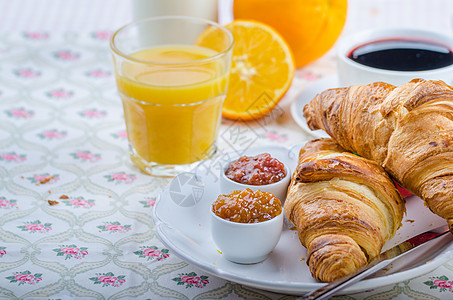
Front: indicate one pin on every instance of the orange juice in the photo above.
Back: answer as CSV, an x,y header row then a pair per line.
x,y
172,110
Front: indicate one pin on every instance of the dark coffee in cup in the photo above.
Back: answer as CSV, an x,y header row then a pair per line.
x,y
403,55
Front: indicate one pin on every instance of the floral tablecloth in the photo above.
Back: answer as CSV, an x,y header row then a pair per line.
x,y
75,213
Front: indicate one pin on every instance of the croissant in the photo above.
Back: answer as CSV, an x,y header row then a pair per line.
x,y
344,207
406,129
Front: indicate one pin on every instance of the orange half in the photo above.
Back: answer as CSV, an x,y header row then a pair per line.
x,y
261,72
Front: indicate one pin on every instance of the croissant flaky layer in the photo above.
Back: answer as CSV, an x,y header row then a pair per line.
x,y
344,207
406,129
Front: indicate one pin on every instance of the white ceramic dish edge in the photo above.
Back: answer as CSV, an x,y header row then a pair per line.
x,y
304,98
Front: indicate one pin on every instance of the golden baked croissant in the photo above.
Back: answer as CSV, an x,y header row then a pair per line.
x,y
406,129
344,207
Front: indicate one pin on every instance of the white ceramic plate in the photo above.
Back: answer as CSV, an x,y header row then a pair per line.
x,y
304,98
181,216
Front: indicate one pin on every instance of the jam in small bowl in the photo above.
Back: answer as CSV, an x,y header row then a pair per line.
x,y
259,172
246,225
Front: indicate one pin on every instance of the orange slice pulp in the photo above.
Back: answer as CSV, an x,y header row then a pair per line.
x,y
261,72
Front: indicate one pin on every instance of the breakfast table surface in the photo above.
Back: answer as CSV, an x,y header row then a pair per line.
x,y
75,213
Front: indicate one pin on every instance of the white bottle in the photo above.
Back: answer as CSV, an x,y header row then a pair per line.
x,y
206,9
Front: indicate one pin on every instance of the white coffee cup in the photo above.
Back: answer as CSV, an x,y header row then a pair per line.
x,y
351,72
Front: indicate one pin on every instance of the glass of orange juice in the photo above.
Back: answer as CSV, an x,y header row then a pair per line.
x,y
172,89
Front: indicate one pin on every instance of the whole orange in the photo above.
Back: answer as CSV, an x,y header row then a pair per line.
x,y
310,27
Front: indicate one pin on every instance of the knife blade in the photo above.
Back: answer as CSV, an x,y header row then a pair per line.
x,y
376,263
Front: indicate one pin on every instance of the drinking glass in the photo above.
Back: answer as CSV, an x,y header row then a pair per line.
x,y
172,76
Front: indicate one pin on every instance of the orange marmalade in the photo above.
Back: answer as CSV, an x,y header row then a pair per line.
x,y
247,206
257,170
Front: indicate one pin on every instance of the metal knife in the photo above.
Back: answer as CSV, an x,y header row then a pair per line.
x,y
377,263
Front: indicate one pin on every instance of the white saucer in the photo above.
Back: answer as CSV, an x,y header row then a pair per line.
x,y
304,98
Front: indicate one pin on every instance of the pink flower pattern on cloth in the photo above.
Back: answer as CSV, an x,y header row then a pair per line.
x,y
121,177
93,113
60,93
114,227
66,55
36,226
44,178
7,203
53,134
86,155
25,277
102,35
36,35
71,251
98,73
191,280
27,73
152,253
148,202
441,283
20,113
12,157
120,134
108,279
79,202
274,136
